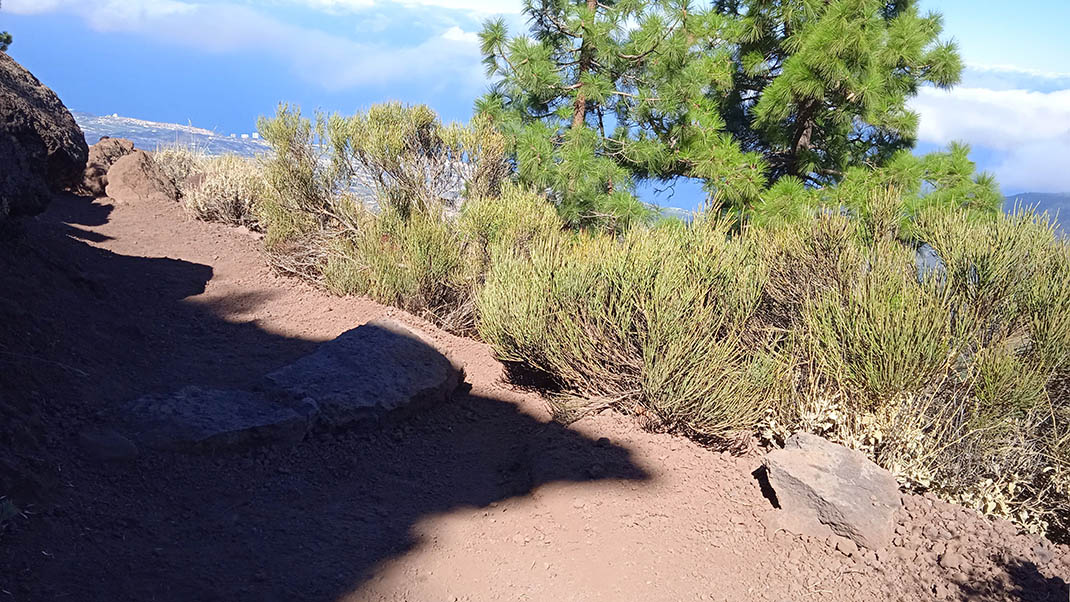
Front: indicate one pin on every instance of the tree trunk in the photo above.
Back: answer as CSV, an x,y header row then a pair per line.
x,y
579,114
804,131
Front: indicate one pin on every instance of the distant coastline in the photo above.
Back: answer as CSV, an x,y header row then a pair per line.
x,y
151,135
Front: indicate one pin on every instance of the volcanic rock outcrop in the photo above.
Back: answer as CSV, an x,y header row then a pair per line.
x,y
42,149
136,178
102,156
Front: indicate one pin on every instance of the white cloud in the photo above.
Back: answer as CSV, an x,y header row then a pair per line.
x,y
31,7
1030,131
1011,77
1036,167
332,61
475,8
336,6
1000,119
104,12
1015,70
457,34
486,7
478,8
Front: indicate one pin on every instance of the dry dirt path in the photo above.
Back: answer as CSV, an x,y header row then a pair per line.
x,y
480,499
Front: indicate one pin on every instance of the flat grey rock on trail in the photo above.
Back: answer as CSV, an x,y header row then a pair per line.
x,y
377,371
107,444
371,373
816,480
198,419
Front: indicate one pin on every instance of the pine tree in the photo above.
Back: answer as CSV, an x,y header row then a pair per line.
x,y
946,178
740,94
5,37
605,92
822,85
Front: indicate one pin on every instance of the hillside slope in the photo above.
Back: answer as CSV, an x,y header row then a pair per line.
x,y
1055,203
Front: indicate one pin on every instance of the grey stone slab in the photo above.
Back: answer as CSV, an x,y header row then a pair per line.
x,y
199,419
374,372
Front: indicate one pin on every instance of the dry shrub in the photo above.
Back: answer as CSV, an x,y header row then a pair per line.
x,y
434,267
181,164
229,189
216,188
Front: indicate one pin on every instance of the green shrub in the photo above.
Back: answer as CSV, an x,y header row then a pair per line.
x,y
1045,299
895,192
807,313
948,381
882,334
302,209
822,325
1004,384
515,220
326,174
1007,281
411,160
298,180
653,320
804,260
417,264
433,267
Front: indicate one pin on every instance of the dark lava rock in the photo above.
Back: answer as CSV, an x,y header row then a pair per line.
x,y
106,444
42,149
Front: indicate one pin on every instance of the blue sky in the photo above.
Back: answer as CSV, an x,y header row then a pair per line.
x,y
221,63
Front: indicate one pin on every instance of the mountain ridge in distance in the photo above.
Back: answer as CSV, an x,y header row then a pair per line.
x,y
1042,201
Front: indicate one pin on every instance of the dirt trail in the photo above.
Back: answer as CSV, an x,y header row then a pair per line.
x,y
480,499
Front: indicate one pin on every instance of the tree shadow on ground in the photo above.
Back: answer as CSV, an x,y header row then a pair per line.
x,y
83,330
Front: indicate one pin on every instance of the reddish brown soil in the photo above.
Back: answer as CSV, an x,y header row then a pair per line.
x,y
480,499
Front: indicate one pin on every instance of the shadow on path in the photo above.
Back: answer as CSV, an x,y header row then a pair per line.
x,y
83,329
1018,580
